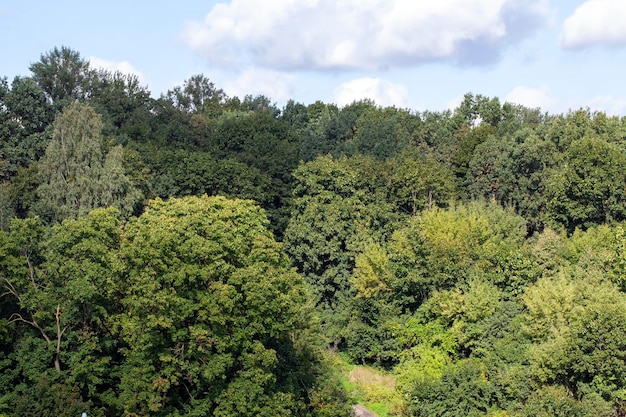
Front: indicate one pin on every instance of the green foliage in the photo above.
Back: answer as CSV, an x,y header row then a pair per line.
x,y
117,96
64,291
210,301
465,240
24,117
268,148
425,350
334,217
192,307
50,399
419,182
464,389
577,325
197,95
555,401
7,212
181,173
63,75
589,188
469,139
78,172
381,133
23,190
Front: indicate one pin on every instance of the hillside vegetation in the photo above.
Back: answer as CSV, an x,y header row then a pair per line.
x,y
198,254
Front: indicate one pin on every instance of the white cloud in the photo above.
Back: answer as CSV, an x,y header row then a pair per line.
x,y
612,106
533,97
544,99
358,34
124,67
383,92
595,22
257,81
454,102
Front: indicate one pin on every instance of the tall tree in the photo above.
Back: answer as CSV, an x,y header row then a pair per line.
x,y
78,173
63,75
63,286
213,313
24,118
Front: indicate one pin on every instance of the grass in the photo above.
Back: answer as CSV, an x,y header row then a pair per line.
x,y
368,386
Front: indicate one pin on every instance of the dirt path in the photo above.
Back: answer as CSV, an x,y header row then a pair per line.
x,y
361,411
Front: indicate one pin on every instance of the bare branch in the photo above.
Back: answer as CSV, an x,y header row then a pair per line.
x,y
15,317
10,290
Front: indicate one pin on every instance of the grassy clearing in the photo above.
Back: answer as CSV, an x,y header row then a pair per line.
x,y
369,386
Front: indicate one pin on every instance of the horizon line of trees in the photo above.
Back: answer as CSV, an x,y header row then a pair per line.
x,y
476,254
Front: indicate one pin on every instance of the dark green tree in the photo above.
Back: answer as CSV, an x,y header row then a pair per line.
x,y
588,188
63,75
24,117
197,95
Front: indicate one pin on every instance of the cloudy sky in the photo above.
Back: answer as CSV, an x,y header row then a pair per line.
x,y
419,54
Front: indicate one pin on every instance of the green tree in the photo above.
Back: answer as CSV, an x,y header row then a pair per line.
x,y
335,216
266,144
576,322
117,97
464,389
24,118
78,173
556,401
589,187
328,128
197,95
381,133
7,211
462,241
63,75
213,313
418,182
64,288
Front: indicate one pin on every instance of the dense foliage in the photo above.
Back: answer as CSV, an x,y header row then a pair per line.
x,y
198,254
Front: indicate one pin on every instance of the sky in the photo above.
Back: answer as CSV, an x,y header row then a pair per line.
x,y
558,55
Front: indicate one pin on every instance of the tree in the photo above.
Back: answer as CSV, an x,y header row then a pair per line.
x,y
63,75
213,313
64,284
513,171
334,218
490,174
556,401
464,389
78,173
322,135
24,118
577,321
380,133
458,243
197,95
469,139
418,182
7,211
267,144
588,188
117,97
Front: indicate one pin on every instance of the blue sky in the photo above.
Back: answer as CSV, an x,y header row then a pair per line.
x,y
419,54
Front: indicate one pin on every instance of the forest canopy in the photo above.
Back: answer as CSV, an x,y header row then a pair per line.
x,y
199,254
